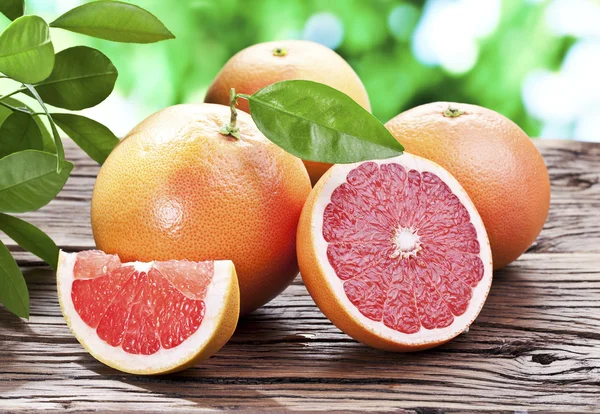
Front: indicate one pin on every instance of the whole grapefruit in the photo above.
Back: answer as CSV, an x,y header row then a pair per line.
x,y
263,64
495,161
175,188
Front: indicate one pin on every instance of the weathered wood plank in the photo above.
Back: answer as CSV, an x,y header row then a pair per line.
x,y
535,346
573,223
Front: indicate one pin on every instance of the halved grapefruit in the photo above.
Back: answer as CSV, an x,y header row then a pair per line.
x,y
148,318
394,253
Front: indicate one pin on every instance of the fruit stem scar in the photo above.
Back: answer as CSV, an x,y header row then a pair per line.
x,y
231,128
279,51
452,112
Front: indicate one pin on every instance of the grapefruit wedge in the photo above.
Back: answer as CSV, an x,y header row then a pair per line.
x,y
394,253
148,318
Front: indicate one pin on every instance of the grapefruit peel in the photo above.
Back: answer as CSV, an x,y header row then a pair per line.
x,y
327,289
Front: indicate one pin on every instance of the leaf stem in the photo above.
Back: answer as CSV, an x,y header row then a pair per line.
x,y
280,51
15,109
231,128
60,151
452,112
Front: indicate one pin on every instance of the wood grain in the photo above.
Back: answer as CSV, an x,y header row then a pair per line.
x,y
535,346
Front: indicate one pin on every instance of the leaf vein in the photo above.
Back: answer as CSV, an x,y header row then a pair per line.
x,y
95,75
278,108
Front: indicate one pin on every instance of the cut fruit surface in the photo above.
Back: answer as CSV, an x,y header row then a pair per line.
x,y
148,318
394,253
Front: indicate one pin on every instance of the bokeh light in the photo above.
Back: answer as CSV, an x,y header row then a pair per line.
x,y
535,61
402,21
448,32
324,28
579,18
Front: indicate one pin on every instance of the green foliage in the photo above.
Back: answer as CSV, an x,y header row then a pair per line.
x,y
114,20
379,48
91,136
29,180
33,169
82,77
12,9
21,132
13,290
30,238
19,106
319,123
60,151
26,51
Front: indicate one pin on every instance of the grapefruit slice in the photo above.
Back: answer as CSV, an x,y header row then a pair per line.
x,y
394,253
148,318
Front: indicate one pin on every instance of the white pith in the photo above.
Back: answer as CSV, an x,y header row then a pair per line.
x,y
407,243
164,359
336,177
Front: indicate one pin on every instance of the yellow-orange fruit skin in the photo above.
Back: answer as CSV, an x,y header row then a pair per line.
x,y
496,163
257,66
322,292
175,188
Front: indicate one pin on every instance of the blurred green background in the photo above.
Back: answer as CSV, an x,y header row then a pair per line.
x,y
535,61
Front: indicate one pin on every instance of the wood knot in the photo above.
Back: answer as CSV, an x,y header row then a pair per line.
x,y
544,359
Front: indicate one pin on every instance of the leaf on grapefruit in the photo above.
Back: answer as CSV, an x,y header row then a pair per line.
x,y
264,64
148,318
394,253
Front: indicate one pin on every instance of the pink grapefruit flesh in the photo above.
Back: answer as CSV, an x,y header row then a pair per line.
x,y
397,254
155,310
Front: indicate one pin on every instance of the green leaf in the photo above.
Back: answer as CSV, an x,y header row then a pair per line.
x,y
13,289
114,20
60,151
12,8
46,137
318,123
82,77
4,112
29,181
30,238
91,136
19,132
26,52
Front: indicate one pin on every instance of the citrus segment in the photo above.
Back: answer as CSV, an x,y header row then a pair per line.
x,y
394,252
148,317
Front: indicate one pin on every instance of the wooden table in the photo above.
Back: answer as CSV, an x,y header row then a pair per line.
x,y
535,346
